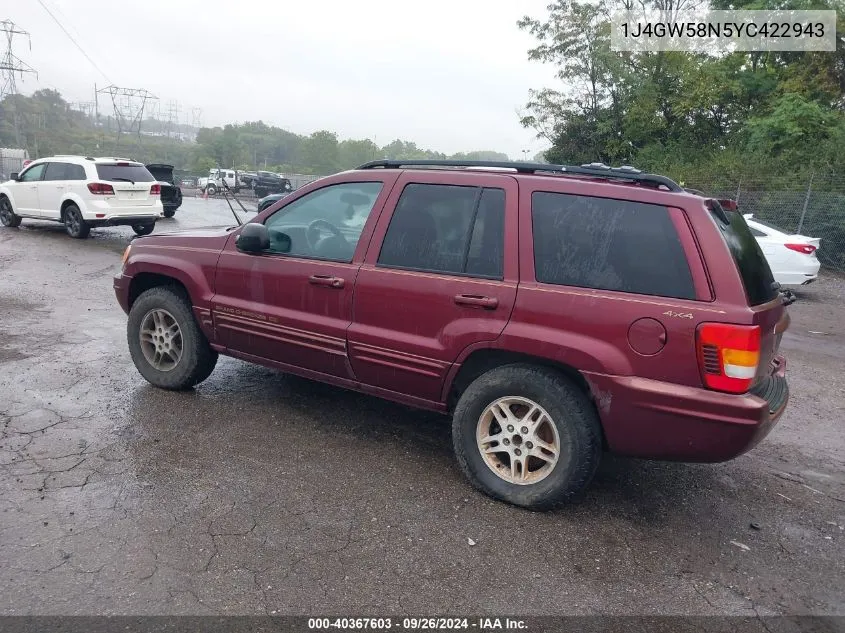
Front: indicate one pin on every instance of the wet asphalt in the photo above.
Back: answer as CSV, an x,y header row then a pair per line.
x,y
260,493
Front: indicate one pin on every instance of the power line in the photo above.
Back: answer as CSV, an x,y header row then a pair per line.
x,y
81,50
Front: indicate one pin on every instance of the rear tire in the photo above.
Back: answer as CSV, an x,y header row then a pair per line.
x,y
196,360
143,229
75,225
7,216
565,421
169,213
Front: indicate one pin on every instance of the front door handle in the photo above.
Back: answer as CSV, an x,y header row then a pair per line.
x,y
326,280
477,301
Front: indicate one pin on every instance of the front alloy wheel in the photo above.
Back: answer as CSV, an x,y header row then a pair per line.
x,y
161,340
7,216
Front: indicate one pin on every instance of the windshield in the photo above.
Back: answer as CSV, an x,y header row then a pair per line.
x,y
125,172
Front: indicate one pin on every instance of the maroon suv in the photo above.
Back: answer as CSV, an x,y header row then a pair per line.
x,y
553,311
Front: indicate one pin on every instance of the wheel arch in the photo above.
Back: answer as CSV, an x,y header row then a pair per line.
x,y
5,193
147,280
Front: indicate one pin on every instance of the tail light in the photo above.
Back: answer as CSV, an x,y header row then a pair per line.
x,y
807,249
728,355
155,190
100,189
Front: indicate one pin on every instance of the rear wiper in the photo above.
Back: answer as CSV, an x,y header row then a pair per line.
x,y
123,179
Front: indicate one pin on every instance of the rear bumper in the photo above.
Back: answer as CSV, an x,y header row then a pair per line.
x,y
799,275
659,420
126,220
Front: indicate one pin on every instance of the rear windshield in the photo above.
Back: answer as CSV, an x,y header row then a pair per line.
x,y
128,172
756,275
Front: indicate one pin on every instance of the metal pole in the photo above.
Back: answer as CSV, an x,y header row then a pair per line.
x,y
738,185
806,202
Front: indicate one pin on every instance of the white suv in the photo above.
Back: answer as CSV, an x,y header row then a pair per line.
x,y
83,192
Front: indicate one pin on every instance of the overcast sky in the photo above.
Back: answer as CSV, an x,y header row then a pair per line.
x,y
446,74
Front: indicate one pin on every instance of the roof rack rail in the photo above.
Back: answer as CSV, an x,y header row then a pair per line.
x,y
597,170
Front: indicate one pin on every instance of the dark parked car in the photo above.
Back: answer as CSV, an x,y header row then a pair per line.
x,y
171,194
552,311
266,201
266,182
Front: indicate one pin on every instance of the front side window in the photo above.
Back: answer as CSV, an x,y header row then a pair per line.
x,y
33,173
447,229
324,224
608,244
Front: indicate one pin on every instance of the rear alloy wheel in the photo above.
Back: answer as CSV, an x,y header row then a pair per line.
x,y
7,216
527,435
143,229
75,225
518,440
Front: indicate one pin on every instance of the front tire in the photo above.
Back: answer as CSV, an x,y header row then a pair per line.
x,y
165,342
75,225
7,215
211,190
526,435
143,229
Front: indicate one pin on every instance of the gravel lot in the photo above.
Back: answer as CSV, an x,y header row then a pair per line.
x,y
264,493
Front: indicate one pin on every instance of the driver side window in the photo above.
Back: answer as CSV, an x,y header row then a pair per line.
x,y
33,173
324,224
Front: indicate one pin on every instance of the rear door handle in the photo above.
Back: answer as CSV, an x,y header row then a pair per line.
x,y
326,280
477,301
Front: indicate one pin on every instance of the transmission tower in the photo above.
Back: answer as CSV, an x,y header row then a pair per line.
x,y
196,117
11,64
171,117
129,105
85,107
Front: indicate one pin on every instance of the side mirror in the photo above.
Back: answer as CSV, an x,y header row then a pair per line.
x,y
281,241
14,175
253,238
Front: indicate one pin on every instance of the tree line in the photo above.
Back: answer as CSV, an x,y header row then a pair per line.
x,y
45,124
691,116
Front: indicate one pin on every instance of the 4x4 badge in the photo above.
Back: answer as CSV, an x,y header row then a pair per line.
x,y
678,315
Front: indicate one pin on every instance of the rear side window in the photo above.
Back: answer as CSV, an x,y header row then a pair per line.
x,y
74,172
56,171
608,244
125,172
447,229
760,286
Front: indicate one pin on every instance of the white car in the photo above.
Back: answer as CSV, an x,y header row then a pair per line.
x,y
83,192
792,258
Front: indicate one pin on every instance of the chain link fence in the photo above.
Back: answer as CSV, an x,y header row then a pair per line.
x,y
814,207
